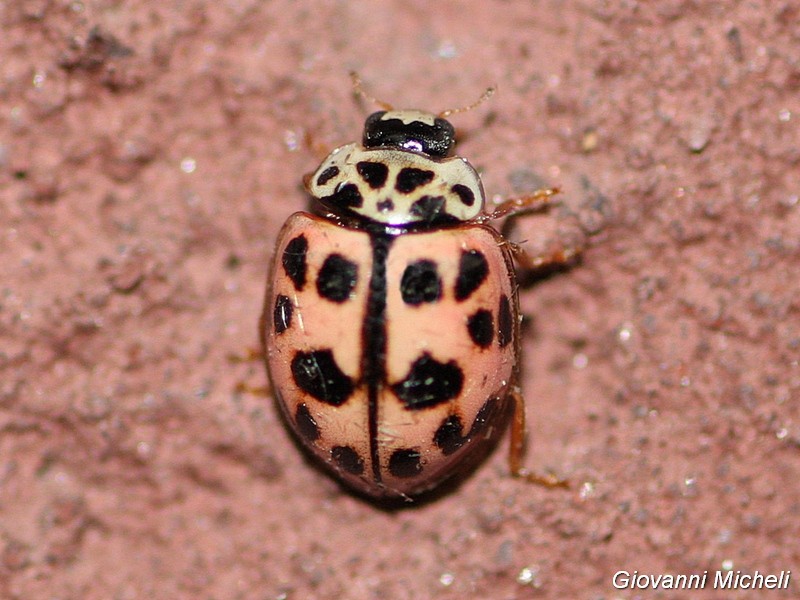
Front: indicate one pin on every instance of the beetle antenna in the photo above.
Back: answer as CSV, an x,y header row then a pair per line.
x,y
485,96
358,90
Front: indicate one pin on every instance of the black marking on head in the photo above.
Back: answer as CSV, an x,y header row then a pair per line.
x,y
294,261
450,435
374,173
282,315
464,194
337,278
421,283
472,271
317,374
429,382
481,328
434,140
405,463
385,206
347,459
345,196
327,175
410,178
505,322
305,423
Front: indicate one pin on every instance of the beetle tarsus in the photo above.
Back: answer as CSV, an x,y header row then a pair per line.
x,y
517,449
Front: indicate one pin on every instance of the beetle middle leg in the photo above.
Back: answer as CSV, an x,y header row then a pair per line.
x,y
517,449
540,200
250,355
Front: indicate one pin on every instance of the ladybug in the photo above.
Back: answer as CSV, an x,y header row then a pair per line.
x,y
391,321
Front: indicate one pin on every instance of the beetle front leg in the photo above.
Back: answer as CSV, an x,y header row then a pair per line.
x,y
539,200
561,255
517,449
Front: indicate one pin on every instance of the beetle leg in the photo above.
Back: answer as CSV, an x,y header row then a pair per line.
x,y
538,200
262,391
561,255
250,355
517,449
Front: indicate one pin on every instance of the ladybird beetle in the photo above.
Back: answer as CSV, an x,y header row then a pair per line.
x,y
391,320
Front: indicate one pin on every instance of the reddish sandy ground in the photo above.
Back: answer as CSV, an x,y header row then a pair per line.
x,y
149,152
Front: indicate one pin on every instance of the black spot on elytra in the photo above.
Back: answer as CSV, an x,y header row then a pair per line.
x,y
282,315
410,178
464,193
374,173
306,425
347,459
317,374
449,437
337,278
327,175
481,328
472,271
421,283
294,261
345,196
505,321
429,382
405,463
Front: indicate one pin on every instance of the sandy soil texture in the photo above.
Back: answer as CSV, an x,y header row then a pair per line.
x,y
149,153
